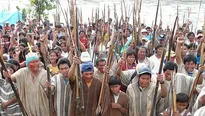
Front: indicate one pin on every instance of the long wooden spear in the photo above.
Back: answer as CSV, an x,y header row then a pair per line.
x,y
171,40
153,111
139,35
174,106
154,32
13,88
44,51
108,64
78,79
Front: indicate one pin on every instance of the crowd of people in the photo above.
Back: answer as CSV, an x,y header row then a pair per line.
x,y
124,85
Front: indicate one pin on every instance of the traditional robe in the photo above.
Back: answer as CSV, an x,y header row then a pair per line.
x,y
122,100
126,77
62,95
31,91
200,112
183,85
197,104
140,99
181,69
91,96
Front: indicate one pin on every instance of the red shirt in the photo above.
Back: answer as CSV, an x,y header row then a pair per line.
x,y
124,66
85,42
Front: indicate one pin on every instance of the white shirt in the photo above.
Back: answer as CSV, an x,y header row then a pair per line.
x,y
116,97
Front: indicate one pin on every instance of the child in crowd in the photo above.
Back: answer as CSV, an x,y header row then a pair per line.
x,y
181,104
119,100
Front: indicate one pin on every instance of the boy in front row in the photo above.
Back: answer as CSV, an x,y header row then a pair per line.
x,y
181,104
119,100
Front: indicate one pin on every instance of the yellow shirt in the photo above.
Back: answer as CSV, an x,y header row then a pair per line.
x,y
54,69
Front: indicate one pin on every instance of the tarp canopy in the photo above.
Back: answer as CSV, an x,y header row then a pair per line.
x,y
11,17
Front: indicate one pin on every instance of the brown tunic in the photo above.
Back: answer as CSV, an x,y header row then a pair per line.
x,y
91,96
123,100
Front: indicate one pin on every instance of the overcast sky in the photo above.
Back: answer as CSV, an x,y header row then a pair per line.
x,y
13,4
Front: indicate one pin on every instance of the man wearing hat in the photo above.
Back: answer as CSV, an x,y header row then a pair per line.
x,y
141,93
91,91
30,82
172,56
162,39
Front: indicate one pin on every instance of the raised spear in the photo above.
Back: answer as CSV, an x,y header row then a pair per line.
x,y
154,32
174,106
157,84
13,88
171,40
78,79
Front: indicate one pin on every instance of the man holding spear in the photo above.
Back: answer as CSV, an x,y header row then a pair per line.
x,y
30,82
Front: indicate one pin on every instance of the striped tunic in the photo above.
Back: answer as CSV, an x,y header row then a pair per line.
x,y
6,93
62,95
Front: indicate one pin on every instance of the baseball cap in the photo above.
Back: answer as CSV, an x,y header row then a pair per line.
x,y
143,69
162,37
87,67
144,30
172,54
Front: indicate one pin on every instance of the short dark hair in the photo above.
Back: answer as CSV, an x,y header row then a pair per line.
x,y
190,33
53,51
114,80
148,28
8,65
186,45
158,46
62,37
22,33
63,61
130,52
81,31
199,32
100,60
189,58
182,97
58,26
192,45
169,65
14,62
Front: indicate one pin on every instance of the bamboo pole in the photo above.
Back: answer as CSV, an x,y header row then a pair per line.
x,y
154,32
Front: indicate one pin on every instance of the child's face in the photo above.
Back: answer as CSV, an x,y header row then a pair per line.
x,y
192,51
181,106
115,89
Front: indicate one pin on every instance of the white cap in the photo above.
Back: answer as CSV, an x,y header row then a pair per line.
x,y
85,57
144,30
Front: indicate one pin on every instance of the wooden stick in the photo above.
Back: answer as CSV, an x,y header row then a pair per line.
x,y
171,40
157,84
174,105
154,32
13,88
